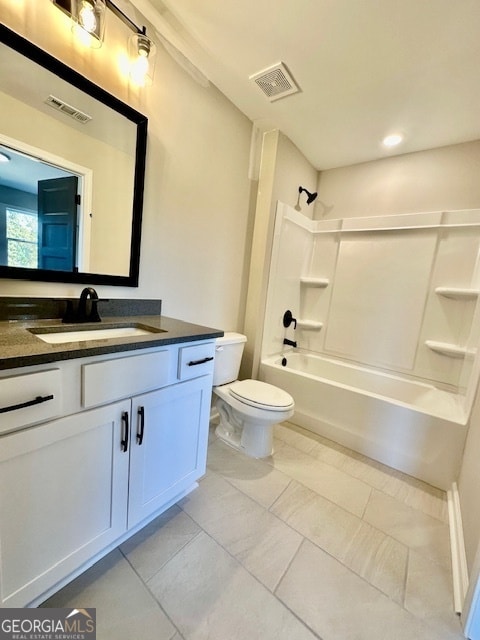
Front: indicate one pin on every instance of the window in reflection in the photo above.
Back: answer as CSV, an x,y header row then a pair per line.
x,y
22,238
40,207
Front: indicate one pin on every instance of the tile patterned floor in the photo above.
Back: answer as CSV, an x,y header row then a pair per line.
x,y
315,542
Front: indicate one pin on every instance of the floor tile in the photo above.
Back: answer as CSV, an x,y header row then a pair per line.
x,y
258,539
256,478
295,436
326,480
429,595
323,522
209,595
316,541
369,552
421,496
125,607
149,549
315,445
337,604
411,491
417,530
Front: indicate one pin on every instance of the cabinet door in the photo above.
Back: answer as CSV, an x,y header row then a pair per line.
x,y
62,499
172,453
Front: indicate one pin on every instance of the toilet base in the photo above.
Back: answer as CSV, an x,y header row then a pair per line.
x,y
229,437
256,441
247,428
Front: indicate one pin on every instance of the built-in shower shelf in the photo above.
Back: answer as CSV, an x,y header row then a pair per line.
x,y
458,293
309,324
450,350
314,282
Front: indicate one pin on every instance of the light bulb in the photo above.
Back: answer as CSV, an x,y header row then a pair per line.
x,y
86,17
139,69
142,55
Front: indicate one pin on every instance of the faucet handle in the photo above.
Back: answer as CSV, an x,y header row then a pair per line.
x,y
70,314
288,319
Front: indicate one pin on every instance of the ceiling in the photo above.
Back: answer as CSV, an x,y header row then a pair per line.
x,y
23,172
366,68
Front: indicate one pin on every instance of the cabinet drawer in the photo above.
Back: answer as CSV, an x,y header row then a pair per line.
x,y
28,399
122,377
196,360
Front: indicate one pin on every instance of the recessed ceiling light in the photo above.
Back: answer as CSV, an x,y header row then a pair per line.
x,y
4,157
392,140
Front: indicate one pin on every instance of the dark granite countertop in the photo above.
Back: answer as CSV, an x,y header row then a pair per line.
x,y
19,347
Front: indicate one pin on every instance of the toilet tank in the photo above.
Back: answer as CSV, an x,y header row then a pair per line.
x,y
228,356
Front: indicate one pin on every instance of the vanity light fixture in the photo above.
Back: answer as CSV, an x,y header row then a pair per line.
x,y
89,17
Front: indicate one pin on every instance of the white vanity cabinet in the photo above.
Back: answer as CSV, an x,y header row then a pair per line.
x,y
74,487
168,447
63,489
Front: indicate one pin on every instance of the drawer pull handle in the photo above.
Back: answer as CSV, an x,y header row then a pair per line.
x,y
124,442
30,403
193,363
141,414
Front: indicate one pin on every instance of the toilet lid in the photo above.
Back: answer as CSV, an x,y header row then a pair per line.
x,y
262,395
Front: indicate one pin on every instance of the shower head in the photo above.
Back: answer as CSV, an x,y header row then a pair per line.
x,y
310,196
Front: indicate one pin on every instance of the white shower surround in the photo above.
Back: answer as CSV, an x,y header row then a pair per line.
x,y
391,397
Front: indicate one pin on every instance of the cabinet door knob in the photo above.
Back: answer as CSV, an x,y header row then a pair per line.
x,y
141,425
124,442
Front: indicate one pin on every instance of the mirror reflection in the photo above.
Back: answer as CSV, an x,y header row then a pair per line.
x,y
71,173
24,181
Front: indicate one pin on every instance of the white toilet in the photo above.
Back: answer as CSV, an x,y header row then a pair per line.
x,y
248,409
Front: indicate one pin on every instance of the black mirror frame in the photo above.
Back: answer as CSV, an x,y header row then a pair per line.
x,y
44,59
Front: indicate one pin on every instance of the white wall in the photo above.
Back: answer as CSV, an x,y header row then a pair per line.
x,y
197,191
469,486
283,168
435,180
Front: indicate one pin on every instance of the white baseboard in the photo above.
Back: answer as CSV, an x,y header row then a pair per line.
x,y
457,546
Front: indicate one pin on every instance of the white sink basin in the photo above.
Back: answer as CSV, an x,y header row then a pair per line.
x,y
78,335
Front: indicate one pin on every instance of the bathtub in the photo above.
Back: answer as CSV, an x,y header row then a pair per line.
x,y
408,425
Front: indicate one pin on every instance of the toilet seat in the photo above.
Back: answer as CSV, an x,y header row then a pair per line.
x,y
261,395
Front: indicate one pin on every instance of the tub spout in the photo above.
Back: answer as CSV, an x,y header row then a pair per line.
x,y
290,343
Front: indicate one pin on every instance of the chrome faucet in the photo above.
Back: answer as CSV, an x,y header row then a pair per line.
x,y
290,343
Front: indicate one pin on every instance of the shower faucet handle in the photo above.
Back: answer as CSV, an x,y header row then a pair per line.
x,y
288,319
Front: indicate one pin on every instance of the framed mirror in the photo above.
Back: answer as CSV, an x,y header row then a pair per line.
x,y
72,169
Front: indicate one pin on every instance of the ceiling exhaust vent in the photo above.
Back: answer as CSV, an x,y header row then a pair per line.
x,y
276,82
73,112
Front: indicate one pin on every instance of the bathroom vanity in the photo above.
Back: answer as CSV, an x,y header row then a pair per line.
x,y
97,437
